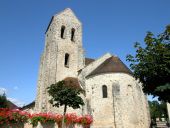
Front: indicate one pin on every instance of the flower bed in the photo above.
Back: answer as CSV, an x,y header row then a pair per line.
x,y
85,121
70,119
11,117
42,118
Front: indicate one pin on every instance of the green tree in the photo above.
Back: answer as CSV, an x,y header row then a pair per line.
x,y
3,101
66,93
163,109
151,64
158,110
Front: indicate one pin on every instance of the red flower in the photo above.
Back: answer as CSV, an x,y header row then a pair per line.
x,y
16,116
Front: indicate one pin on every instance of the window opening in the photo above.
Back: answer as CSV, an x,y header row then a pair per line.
x,y
62,31
66,63
104,90
72,34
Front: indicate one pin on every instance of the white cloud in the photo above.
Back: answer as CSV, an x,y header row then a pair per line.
x,y
16,102
2,91
15,88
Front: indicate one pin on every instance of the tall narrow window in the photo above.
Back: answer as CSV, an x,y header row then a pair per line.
x,y
66,63
104,90
62,32
72,34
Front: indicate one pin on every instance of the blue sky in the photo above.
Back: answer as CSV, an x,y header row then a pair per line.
x,y
108,26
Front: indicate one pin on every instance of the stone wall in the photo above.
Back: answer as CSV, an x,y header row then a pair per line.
x,y
125,105
52,68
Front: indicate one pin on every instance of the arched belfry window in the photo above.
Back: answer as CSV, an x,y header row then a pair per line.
x,y
72,34
63,32
66,62
104,90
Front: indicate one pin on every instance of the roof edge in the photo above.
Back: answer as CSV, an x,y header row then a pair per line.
x,y
92,75
49,24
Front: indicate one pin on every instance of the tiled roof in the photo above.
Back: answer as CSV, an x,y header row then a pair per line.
x,y
30,105
12,105
112,64
88,61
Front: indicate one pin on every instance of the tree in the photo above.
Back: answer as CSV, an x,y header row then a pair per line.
x,y
158,110
151,64
66,93
3,101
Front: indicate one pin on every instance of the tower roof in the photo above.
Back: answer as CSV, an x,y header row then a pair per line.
x,y
67,13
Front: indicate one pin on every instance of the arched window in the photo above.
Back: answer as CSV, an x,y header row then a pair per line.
x,y
62,32
66,63
72,34
104,90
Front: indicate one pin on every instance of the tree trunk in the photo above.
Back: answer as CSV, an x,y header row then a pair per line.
x,y
65,108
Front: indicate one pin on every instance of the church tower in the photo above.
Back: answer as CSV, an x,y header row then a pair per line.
x,y
63,55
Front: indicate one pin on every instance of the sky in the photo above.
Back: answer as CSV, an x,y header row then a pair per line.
x,y
108,26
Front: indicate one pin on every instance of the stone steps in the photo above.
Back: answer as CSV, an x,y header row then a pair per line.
x,y
161,124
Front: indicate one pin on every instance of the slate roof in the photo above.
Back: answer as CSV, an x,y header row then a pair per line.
x,y
12,105
88,61
30,105
112,64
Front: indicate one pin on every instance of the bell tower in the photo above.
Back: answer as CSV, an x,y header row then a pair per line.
x,y
63,55
65,34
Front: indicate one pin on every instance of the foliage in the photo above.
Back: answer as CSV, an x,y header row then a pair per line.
x,y
151,65
70,119
13,116
3,101
66,93
85,120
158,110
63,94
9,117
43,118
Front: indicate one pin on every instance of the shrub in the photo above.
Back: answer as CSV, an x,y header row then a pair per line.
x,y
42,118
13,116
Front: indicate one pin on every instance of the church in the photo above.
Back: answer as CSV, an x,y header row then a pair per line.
x,y
112,95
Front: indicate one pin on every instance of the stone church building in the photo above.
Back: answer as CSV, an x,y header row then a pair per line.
x,y
112,95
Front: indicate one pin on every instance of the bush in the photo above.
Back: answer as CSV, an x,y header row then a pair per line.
x,y
9,117
42,118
